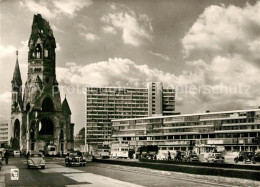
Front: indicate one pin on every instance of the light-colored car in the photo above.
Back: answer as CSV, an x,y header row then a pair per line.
x,y
215,157
17,153
36,160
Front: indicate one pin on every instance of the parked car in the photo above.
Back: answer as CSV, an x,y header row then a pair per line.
x,y
147,152
10,152
75,158
36,160
191,158
215,157
180,156
17,153
256,158
244,156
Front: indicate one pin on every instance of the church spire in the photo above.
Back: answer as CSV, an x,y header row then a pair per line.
x,y
17,81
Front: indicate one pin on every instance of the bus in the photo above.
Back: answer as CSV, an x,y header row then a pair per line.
x,y
101,152
119,149
50,150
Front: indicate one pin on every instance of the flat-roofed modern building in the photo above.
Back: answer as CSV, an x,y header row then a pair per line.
x,y
105,104
232,130
4,133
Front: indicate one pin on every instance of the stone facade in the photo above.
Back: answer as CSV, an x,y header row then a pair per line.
x,y
39,118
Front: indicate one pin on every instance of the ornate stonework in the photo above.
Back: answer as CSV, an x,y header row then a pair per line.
x,y
39,118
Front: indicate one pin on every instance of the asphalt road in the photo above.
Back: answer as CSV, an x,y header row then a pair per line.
x,y
94,174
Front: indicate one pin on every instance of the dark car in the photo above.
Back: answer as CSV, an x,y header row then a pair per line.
x,y
256,158
191,158
147,152
180,156
244,156
10,152
75,158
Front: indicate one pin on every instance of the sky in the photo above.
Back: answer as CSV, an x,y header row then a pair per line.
x,y
208,50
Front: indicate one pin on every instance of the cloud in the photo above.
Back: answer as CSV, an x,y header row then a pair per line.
x,y
223,45
136,28
109,29
162,56
5,97
53,9
90,36
70,7
58,47
226,31
109,72
7,50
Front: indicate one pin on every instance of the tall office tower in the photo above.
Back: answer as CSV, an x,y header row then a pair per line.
x,y
105,104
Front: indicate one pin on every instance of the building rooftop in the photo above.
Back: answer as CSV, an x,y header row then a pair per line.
x,y
194,114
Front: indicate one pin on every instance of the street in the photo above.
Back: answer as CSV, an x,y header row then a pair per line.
x,y
97,174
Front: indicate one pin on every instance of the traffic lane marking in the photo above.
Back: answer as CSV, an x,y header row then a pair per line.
x,y
55,168
97,180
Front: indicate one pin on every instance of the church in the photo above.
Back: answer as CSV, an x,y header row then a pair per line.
x,y
38,117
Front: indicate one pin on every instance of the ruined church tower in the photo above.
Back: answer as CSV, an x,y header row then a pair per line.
x,y
40,118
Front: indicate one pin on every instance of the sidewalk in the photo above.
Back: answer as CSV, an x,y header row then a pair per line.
x,y
2,177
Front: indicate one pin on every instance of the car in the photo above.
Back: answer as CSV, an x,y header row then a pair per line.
x,y
10,152
215,157
17,153
180,156
36,160
256,158
191,158
75,158
244,156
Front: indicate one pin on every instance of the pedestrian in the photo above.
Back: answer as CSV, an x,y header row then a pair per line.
x,y
28,154
6,157
169,155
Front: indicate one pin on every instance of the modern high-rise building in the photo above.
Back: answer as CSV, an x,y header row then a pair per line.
x,y
105,104
231,130
4,133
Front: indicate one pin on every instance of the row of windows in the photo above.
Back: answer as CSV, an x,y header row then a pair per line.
x,y
215,123
187,130
235,137
4,125
129,103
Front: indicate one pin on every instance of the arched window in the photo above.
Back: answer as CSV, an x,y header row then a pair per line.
x,y
17,129
28,107
46,127
32,130
61,135
45,53
47,105
38,51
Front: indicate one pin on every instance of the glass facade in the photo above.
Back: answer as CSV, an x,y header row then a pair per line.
x,y
233,130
